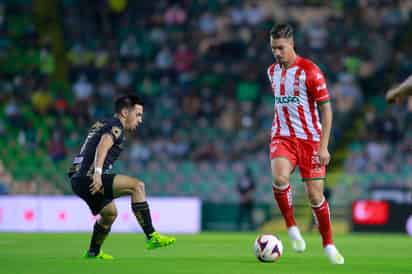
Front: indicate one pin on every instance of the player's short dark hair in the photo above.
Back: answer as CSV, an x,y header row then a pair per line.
x,y
281,31
126,101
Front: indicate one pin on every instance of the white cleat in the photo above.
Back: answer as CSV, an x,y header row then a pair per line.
x,y
298,243
333,254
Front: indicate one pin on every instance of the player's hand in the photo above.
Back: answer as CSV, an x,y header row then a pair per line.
x,y
392,96
324,156
97,185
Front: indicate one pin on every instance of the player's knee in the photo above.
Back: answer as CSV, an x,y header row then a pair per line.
x,y
281,180
315,198
138,187
109,217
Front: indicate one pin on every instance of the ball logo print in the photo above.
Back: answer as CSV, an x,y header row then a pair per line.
x,y
268,248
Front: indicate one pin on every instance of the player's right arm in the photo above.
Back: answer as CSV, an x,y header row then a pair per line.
x,y
401,91
270,72
106,142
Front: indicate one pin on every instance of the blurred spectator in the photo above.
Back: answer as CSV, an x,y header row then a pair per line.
x,y
175,15
12,112
207,23
207,152
83,89
346,93
5,180
177,147
253,14
42,101
56,147
139,152
130,48
183,59
164,60
246,187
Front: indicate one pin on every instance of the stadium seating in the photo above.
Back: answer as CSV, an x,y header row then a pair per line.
x,y
208,108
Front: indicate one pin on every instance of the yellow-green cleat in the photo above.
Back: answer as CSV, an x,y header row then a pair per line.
x,y
157,240
101,256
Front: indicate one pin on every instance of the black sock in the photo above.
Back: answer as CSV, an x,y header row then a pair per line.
x,y
142,213
98,237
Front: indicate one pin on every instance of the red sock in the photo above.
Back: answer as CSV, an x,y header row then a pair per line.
x,y
284,199
322,216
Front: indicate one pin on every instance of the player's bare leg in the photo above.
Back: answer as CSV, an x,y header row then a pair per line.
x,y
320,208
282,190
125,185
100,231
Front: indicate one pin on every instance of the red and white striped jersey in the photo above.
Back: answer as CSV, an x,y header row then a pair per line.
x,y
298,90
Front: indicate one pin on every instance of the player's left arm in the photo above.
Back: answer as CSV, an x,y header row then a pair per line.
x,y
326,120
318,89
105,143
111,133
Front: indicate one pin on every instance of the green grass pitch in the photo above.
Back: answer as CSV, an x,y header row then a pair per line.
x,y
207,253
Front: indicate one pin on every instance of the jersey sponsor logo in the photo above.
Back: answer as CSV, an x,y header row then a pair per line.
x,y
287,100
78,160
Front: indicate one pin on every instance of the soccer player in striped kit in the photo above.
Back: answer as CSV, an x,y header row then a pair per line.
x,y
300,136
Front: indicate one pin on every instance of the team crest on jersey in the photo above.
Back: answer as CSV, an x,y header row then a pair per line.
x,y
274,146
320,87
116,132
273,149
315,162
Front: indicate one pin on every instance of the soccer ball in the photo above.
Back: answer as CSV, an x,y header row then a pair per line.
x,y
268,248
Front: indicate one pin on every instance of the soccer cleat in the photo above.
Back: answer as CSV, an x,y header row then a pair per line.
x,y
298,243
333,254
101,255
157,240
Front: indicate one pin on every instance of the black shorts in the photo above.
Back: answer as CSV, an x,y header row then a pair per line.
x,y
96,202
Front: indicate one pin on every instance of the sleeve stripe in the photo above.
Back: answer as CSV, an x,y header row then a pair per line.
x,y
326,96
323,102
270,70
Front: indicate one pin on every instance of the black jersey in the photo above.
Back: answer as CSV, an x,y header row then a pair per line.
x,y
83,163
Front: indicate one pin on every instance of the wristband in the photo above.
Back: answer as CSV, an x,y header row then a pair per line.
x,y
98,170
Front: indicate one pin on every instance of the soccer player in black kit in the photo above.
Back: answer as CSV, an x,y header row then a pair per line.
x,y
92,181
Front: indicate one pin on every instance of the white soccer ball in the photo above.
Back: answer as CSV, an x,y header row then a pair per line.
x,y
268,248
